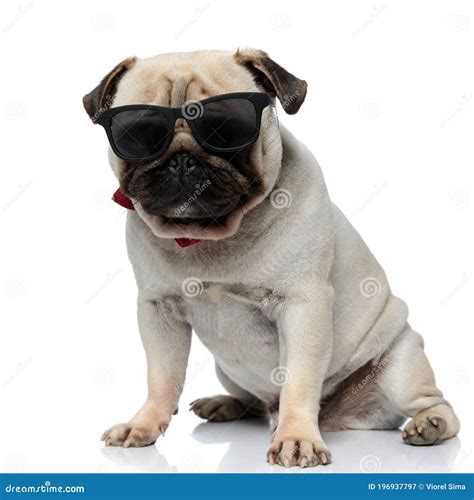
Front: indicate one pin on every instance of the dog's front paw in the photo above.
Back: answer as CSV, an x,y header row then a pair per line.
x,y
304,453
132,435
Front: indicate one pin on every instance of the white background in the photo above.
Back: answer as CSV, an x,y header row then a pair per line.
x,y
389,115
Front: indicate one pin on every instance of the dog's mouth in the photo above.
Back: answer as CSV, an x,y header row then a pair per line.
x,y
184,191
197,221
202,222
193,196
202,212
196,227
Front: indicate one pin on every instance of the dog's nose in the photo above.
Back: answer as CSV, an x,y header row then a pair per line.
x,y
182,164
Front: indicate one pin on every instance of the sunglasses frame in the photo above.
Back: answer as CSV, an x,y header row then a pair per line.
x,y
260,101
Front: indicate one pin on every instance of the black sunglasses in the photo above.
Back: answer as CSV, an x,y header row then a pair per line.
x,y
223,123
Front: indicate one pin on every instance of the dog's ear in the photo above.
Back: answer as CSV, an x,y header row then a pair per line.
x,y
101,98
291,91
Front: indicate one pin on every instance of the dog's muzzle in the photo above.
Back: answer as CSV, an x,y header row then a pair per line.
x,y
187,189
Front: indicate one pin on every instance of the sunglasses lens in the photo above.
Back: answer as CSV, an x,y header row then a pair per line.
x,y
228,123
139,133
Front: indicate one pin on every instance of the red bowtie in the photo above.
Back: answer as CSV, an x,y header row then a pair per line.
x,y
123,200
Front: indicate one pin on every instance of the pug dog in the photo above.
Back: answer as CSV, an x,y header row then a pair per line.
x,y
231,233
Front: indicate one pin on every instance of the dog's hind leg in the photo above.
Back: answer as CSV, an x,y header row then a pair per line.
x,y
238,405
358,403
386,392
408,382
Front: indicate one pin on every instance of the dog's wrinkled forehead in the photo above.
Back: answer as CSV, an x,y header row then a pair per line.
x,y
176,79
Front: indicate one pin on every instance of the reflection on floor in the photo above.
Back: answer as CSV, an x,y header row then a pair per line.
x,y
241,447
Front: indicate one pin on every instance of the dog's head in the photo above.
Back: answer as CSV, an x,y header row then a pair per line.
x,y
189,191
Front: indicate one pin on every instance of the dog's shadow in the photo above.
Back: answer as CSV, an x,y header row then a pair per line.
x,y
384,451
248,442
353,451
